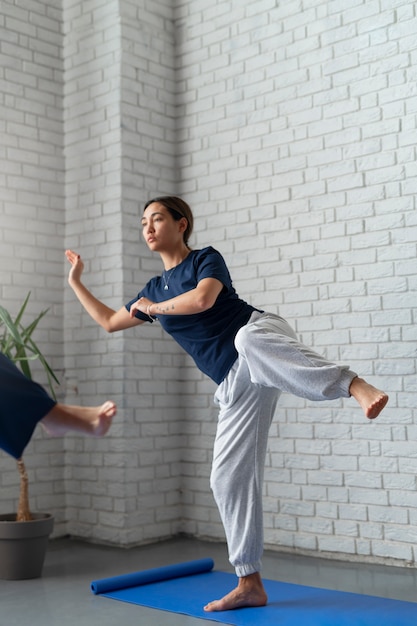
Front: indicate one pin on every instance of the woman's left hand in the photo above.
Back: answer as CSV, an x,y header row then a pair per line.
x,y
140,305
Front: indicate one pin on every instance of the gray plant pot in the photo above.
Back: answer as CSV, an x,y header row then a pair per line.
x,y
23,545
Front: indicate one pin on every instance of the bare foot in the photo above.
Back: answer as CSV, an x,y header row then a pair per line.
x,y
371,400
103,421
249,592
90,420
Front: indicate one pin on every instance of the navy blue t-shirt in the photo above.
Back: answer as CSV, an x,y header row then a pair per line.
x,y
208,337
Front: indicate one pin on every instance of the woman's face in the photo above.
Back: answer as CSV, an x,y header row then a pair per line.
x,y
160,231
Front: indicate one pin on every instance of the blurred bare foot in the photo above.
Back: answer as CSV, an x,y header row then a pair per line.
x,y
90,420
101,424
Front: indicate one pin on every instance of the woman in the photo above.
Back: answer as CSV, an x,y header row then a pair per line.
x,y
24,403
251,355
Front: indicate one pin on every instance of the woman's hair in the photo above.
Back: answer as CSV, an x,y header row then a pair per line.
x,y
178,209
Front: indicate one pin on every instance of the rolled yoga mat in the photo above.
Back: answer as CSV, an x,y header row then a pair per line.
x,y
146,577
186,587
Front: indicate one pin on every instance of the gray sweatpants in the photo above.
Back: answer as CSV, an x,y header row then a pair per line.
x,y
270,360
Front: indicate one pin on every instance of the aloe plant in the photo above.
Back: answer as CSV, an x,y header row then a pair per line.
x,y
17,344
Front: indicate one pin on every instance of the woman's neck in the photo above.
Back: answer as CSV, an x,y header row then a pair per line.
x,y
172,259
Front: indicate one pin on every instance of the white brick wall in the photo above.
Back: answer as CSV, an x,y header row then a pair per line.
x,y
149,168
296,138
93,360
32,211
119,63
291,131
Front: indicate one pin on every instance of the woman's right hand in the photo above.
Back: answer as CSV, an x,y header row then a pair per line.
x,y
108,318
77,266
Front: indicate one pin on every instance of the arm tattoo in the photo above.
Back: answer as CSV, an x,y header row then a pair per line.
x,y
164,309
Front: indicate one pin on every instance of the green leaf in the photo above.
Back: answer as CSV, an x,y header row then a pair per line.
x,y
16,342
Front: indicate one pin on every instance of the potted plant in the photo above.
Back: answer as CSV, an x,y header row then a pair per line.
x,y
23,535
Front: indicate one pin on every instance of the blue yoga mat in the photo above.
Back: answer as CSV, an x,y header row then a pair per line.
x,y
186,587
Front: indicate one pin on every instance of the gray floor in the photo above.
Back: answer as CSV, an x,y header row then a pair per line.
x,y
62,596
